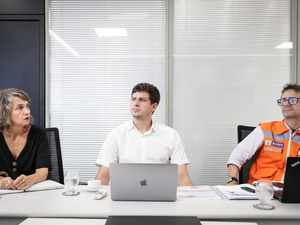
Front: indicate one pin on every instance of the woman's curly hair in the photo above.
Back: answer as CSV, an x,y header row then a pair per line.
x,y
6,101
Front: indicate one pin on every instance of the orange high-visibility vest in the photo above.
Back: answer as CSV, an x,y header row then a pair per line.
x,y
278,144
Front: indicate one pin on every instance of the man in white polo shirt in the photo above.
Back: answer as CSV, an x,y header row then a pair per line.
x,y
141,140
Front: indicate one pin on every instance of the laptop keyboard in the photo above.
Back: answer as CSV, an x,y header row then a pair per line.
x,y
278,193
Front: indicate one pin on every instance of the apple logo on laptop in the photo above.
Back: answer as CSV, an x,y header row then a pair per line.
x,y
143,182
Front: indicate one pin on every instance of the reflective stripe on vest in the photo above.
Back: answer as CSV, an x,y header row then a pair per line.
x,y
276,137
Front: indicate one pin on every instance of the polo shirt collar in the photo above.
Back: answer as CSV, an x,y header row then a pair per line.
x,y
131,125
152,129
288,128
283,128
153,126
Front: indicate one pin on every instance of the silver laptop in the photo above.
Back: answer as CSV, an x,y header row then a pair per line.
x,y
143,181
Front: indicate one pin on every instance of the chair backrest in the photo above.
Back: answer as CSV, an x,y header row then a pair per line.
x,y
244,131
57,173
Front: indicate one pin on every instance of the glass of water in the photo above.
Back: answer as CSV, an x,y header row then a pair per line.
x,y
71,181
264,191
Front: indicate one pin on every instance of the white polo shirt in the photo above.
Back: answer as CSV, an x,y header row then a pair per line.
x,y
126,144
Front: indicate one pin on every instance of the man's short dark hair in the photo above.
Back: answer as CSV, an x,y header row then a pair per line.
x,y
153,92
295,87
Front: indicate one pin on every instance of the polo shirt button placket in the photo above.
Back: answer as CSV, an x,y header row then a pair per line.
x,y
144,149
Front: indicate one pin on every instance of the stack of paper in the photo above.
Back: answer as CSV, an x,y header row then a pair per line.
x,y
44,185
203,192
236,192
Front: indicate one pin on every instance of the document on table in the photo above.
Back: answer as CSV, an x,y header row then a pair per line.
x,y
236,192
203,192
44,185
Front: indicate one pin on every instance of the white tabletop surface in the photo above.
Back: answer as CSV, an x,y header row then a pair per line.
x,y
60,221
52,204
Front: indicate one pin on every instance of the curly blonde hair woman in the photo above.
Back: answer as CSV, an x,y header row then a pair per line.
x,y
24,148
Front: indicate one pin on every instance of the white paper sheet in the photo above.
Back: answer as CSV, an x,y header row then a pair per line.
x,y
203,192
235,192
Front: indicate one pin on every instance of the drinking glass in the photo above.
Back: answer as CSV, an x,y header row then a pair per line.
x,y
71,181
264,191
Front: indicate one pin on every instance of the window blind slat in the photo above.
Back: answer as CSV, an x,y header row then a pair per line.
x,y
91,77
227,72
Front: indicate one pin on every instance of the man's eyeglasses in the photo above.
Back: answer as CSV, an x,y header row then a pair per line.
x,y
292,101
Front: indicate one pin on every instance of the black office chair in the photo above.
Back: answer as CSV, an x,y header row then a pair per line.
x,y
244,131
57,173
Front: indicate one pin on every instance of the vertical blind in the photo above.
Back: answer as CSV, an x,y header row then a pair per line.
x,y
92,75
227,72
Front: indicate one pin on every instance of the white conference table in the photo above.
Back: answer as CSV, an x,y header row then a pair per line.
x,y
52,204
51,221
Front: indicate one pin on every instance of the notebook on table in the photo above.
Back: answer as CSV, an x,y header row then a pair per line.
x,y
44,185
143,181
290,192
150,220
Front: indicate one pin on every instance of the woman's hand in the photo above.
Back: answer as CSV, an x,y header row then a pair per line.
x,y
23,182
7,183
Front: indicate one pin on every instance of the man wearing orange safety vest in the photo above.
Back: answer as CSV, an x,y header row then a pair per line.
x,y
275,141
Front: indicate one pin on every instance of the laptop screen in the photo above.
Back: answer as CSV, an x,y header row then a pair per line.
x,y
143,181
291,187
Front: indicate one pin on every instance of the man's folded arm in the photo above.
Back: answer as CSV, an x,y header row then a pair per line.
x,y
244,151
247,148
183,176
232,172
103,175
